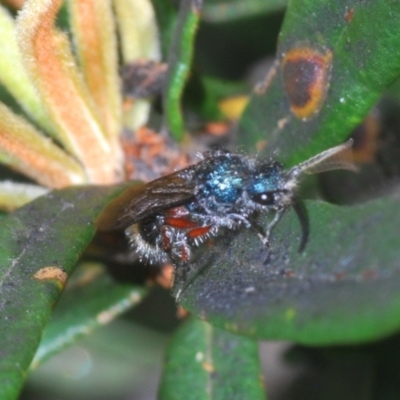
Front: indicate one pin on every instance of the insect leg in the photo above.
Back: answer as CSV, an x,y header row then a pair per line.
x,y
181,280
271,225
185,278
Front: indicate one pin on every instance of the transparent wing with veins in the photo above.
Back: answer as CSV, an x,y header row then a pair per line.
x,y
338,157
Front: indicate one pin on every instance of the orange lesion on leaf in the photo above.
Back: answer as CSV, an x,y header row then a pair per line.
x,y
349,14
52,273
306,72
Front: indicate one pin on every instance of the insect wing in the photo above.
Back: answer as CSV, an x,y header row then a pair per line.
x,y
138,202
339,157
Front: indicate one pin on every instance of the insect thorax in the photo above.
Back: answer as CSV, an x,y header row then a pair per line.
x,y
228,186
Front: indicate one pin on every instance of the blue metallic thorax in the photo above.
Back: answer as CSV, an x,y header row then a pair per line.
x,y
226,184
221,179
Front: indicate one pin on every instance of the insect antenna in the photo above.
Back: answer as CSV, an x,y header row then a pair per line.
x,y
301,213
338,157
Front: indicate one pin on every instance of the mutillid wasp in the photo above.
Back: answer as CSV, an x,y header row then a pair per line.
x,y
166,218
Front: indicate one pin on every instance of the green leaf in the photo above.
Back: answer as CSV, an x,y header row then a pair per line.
x,y
344,288
179,62
363,38
39,247
91,299
204,362
117,361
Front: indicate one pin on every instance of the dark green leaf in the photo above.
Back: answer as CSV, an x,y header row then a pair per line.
x,y
91,299
344,288
119,361
166,14
204,362
363,38
39,247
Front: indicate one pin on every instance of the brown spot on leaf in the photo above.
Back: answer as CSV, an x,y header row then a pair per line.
x,y
349,14
51,274
306,75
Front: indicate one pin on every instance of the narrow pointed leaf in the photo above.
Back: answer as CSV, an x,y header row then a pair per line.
x,y
14,195
14,76
34,155
93,26
166,14
139,41
138,29
48,58
204,362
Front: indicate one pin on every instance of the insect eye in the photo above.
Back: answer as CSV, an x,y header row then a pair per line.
x,y
265,199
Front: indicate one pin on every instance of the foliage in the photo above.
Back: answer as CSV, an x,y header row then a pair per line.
x,y
333,73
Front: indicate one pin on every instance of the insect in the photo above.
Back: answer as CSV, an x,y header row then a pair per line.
x,y
166,218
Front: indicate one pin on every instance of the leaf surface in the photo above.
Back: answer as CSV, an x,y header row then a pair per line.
x,y
39,246
362,40
204,362
344,288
